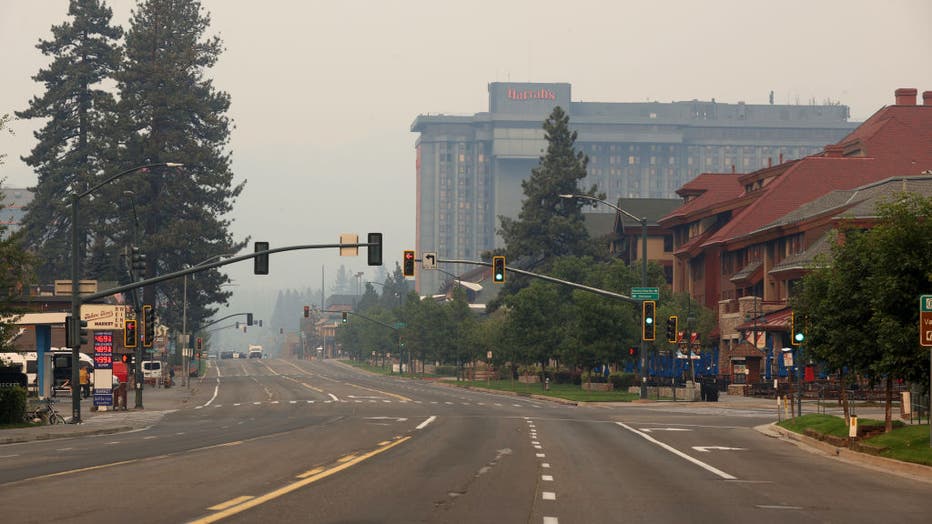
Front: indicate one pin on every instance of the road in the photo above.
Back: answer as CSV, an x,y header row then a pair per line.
x,y
317,441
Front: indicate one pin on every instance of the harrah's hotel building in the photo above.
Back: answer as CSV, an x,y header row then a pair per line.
x,y
469,168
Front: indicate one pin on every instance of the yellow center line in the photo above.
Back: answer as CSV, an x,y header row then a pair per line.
x,y
346,458
308,473
230,503
312,387
284,490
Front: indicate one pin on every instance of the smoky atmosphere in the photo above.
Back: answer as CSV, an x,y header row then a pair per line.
x,y
651,190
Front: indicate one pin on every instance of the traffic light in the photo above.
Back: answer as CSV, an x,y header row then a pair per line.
x,y
138,262
248,319
374,250
199,344
307,311
130,335
797,333
344,317
148,326
648,326
261,262
672,328
633,352
407,263
498,269
74,333
125,358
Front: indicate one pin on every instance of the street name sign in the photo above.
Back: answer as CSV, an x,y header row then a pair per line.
x,y
645,293
925,320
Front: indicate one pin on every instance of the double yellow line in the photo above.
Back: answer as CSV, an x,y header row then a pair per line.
x,y
240,504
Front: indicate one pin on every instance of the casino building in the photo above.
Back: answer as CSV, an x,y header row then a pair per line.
x,y
469,168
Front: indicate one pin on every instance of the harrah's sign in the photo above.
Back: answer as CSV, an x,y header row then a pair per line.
x,y
530,94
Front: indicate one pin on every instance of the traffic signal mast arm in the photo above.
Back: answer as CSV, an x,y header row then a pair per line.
x,y
511,269
389,326
198,269
205,326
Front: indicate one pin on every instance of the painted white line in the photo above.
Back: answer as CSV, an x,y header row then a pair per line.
x,y
539,455
648,430
424,424
551,520
7,456
274,402
448,403
334,397
59,449
536,443
547,478
310,401
548,495
761,506
538,447
292,401
545,465
516,405
679,453
236,404
256,403
216,390
198,407
707,449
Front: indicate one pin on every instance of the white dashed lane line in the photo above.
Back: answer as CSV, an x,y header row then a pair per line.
x,y
545,495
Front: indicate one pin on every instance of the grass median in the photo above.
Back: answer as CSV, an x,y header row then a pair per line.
x,y
908,443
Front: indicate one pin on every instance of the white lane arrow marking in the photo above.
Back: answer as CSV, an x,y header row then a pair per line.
x,y
648,430
398,419
706,449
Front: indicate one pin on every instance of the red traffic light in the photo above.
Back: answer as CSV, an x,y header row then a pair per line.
x,y
407,268
307,311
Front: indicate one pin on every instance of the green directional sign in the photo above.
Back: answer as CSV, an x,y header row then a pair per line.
x,y
399,325
645,293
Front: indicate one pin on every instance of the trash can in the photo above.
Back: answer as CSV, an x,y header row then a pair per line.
x,y
708,390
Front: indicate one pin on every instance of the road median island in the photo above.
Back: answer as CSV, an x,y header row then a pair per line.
x,y
896,452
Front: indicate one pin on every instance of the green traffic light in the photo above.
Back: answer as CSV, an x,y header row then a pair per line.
x,y
799,337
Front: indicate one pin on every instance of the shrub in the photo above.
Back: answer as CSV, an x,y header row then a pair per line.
x,y
12,404
446,371
622,381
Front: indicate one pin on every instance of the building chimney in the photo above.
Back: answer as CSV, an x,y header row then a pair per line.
x,y
927,98
905,96
834,151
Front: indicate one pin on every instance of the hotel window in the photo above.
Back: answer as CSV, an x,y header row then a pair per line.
x,y
632,160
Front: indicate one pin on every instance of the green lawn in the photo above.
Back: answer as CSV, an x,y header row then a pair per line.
x,y
909,443
564,391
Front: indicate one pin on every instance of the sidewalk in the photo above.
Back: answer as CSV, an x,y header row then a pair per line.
x,y
157,402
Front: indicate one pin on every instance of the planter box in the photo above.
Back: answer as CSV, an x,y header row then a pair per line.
x,y
595,386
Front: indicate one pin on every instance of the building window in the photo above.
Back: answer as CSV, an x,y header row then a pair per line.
x,y
668,243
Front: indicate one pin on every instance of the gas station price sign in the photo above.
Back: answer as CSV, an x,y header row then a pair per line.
x,y
103,350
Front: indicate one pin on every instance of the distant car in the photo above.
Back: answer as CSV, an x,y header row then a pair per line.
x,y
255,354
227,354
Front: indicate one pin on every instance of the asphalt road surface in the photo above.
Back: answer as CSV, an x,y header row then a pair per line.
x,y
317,441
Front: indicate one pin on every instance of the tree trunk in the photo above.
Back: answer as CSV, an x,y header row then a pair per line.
x,y
888,407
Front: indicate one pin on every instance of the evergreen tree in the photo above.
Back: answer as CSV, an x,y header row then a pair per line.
x,y
169,112
549,226
69,154
15,271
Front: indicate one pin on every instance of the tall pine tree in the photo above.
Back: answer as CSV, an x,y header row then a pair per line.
x,y
548,226
170,112
70,154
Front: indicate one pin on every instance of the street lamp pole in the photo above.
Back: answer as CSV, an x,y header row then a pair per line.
x,y
75,295
643,222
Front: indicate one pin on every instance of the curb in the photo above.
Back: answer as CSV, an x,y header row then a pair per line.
x,y
900,468
72,434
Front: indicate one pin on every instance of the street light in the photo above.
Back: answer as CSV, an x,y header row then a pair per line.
x,y
184,317
643,221
75,270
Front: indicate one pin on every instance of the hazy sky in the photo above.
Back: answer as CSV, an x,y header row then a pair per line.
x,y
324,93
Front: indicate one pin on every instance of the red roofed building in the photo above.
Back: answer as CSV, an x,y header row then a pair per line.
x,y
742,241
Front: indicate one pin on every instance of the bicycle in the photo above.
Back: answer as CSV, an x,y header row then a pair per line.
x,y
45,413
